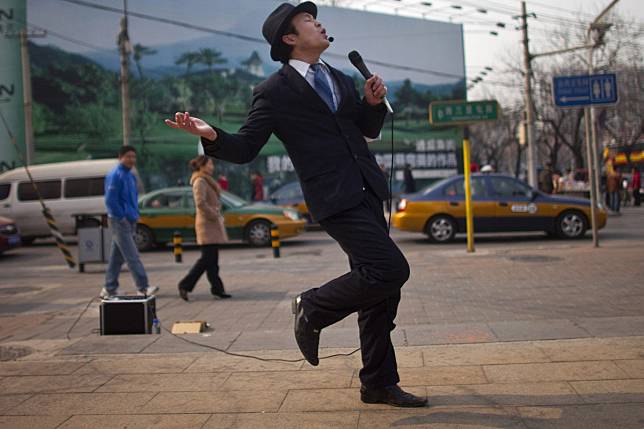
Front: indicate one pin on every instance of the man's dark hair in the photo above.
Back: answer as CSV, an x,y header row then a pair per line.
x,y
287,49
125,149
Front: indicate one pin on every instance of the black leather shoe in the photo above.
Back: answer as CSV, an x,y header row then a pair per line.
x,y
307,338
221,295
391,395
183,294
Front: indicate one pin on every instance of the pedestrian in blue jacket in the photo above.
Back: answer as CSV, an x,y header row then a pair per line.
x,y
121,200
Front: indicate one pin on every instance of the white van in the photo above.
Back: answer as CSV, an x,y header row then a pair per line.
x,y
67,188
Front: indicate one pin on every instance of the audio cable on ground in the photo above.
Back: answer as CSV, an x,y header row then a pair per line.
x,y
196,343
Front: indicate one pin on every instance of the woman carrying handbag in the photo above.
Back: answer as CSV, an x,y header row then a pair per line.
x,y
209,226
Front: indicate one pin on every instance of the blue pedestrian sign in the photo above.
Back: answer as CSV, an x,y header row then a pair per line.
x,y
584,90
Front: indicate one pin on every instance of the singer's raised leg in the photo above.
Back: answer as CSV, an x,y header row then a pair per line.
x,y
379,268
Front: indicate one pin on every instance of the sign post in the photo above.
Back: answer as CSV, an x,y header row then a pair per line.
x,y
469,215
586,91
463,113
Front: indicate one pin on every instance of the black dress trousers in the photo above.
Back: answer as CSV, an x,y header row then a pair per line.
x,y
371,288
208,262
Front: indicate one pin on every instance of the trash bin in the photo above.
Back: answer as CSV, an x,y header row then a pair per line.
x,y
94,239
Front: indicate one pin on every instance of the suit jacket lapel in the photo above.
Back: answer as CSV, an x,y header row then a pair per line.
x,y
344,93
302,87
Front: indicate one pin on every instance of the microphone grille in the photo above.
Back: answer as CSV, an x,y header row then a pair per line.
x,y
354,57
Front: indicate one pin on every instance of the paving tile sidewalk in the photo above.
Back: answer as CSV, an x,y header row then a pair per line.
x,y
579,383
526,333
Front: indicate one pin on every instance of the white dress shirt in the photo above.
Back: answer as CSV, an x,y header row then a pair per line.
x,y
304,69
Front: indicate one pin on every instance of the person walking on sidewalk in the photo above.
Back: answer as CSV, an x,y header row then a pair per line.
x,y
315,110
257,186
613,185
121,200
209,225
636,184
410,183
223,182
546,179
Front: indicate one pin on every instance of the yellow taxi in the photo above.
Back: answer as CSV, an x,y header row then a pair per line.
x,y
500,204
172,209
290,195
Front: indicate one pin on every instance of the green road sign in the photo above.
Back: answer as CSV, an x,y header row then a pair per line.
x,y
463,112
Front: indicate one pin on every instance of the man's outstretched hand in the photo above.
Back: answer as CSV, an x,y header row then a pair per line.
x,y
196,126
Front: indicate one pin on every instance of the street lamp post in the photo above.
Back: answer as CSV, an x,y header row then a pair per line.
x,y
529,111
589,118
597,30
589,113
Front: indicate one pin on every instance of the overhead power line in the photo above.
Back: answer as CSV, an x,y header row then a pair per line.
x,y
165,20
511,11
65,37
535,5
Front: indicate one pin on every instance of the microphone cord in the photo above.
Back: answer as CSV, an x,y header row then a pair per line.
x,y
78,318
207,346
241,355
391,177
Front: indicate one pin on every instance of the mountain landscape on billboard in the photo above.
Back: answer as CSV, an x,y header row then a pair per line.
x,y
163,62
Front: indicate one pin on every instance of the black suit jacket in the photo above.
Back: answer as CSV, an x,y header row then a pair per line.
x,y
328,150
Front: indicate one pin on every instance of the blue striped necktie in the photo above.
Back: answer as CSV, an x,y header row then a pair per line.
x,y
322,85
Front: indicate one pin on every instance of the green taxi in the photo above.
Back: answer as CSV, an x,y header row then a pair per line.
x,y
164,211
500,203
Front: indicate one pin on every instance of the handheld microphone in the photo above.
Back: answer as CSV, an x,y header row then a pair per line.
x,y
358,63
330,39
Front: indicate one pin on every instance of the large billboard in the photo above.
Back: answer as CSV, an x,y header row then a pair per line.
x,y
205,57
12,19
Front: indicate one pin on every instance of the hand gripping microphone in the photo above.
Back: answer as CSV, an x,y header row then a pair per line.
x,y
358,63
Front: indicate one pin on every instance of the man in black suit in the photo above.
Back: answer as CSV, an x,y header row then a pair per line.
x,y
316,112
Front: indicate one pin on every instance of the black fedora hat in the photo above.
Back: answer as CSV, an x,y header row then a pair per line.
x,y
278,22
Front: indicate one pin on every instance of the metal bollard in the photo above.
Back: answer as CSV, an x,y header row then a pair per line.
x,y
275,240
177,249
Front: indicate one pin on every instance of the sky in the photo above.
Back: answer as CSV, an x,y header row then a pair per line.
x,y
481,48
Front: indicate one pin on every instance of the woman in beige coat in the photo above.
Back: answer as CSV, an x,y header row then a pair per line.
x,y
209,225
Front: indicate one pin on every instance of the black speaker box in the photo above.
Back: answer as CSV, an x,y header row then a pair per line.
x,y
127,315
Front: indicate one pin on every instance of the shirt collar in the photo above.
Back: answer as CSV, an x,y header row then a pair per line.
x,y
302,67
